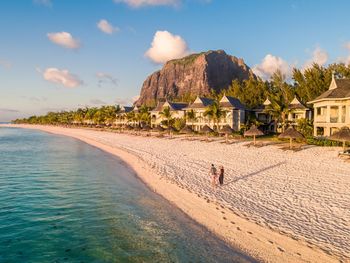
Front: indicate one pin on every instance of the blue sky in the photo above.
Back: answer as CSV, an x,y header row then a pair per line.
x,y
38,74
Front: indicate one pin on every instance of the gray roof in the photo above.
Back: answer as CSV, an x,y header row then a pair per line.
x,y
126,109
174,106
205,103
341,91
232,103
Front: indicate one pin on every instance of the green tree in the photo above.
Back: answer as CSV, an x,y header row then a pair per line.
x,y
215,113
166,113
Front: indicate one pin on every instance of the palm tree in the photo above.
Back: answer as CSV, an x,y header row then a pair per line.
x,y
191,117
166,113
215,113
130,116
278,110
143,116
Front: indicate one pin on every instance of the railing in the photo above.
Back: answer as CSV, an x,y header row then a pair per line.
x,y
320,118
334,119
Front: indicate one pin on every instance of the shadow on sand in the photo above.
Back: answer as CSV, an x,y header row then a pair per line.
x,y
254,173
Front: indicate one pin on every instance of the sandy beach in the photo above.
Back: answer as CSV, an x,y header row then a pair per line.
x,y
277,206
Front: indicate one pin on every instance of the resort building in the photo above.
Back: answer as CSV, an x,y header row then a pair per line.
x,y
177,110
267,124
297,111
234,113
121,117
199,106
332,108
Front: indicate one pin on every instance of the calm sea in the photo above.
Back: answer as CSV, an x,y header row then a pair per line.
x,y
62,200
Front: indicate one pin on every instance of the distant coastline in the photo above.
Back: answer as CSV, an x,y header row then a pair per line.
x,y
238,230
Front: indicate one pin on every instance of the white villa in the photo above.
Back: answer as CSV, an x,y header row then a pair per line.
x,y
177,110
267,123
199,106
234,113
297,111
332,108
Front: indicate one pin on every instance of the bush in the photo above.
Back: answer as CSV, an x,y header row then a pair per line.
x,y
322,142
179,123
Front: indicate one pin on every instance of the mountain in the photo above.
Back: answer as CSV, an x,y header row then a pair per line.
x,y
193,75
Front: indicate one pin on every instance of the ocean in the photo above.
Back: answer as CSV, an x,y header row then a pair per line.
x,y
62,200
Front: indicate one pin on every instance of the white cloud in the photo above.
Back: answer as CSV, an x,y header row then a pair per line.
x,y
64,39
105,77
269,65
319,56
106,27
140,3
166,46
62,77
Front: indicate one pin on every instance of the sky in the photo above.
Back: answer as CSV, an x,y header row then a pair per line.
x,y
63,54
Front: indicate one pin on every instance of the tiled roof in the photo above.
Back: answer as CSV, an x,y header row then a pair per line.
x,y
232,103
342,90
126,109
205,102
174,106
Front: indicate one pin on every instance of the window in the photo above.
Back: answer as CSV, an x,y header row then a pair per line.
x,y
318,111
320,131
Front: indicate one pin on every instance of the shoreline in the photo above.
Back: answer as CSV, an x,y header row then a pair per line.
x,y
262,243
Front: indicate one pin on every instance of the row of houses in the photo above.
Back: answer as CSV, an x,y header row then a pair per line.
x,y
331,111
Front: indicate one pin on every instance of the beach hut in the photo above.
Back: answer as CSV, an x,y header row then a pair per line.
x,y
343,135
291,134
253,132
186,130
227,130
171,130
206,129
147,129
159,129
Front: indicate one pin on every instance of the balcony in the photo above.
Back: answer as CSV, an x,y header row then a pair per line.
x,y
334,119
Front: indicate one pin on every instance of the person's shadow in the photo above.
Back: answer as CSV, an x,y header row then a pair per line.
x,y
254,173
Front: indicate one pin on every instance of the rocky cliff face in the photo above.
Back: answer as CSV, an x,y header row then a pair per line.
x,y
195,74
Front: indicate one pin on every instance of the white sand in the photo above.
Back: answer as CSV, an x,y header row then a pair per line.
x,y
275,205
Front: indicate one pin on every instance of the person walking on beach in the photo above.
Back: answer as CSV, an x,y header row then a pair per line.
x,y
221,175
213,175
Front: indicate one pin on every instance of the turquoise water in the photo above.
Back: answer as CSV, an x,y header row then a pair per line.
x,y
62,200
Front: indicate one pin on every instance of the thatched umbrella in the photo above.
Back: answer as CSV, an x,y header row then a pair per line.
x,y
146,128
343,135
290,134
253,131
159,129
206,129
171,130
226,130
186,130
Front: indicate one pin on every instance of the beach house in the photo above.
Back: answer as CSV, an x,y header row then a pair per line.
x,y
177,110
332,108
266,122
234,113
297,111
199,106
121,116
